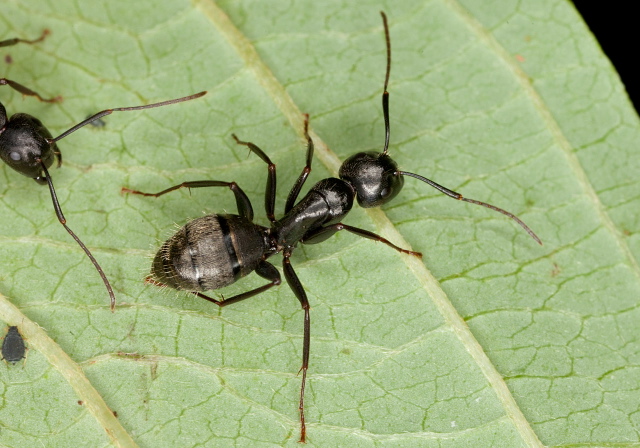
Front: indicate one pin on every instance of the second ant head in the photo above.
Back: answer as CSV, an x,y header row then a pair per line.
x,y
374,177
25,144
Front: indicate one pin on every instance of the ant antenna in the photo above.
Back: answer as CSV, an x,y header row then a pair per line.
x,y
27,91
47,177
10,42
63,221
122,109
445,190
385,94
458,196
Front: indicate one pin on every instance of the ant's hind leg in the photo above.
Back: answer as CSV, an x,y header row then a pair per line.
x,y
264,270
270,193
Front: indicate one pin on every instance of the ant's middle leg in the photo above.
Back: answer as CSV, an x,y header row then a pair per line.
x,y
244,204
270,193
298,290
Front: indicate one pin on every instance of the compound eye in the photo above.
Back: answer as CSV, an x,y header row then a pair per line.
x,y
14,155
388,185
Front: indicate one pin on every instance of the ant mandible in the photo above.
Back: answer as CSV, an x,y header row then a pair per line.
x,y
28,147
216,250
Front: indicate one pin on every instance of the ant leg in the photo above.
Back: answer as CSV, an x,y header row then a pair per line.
x,y
242,201
264,270
270,193
323,233
26,91
63,221
298,290
10,42
293,194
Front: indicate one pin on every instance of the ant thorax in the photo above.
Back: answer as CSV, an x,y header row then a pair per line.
x,y
326,203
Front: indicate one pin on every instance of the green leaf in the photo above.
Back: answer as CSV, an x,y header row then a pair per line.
x,y
489,341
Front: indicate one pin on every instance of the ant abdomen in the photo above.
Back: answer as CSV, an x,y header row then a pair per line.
x,y
209,253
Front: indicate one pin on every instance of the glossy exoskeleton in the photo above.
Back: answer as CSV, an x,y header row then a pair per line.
x,y
216,250
28,147
13,348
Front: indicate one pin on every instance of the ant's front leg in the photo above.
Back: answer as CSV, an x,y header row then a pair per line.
x,y
323,233
293,194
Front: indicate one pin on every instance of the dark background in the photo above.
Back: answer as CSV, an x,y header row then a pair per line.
x,y
616,29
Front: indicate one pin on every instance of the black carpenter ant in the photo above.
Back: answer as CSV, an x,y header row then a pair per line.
x,y
13,348
216,250
28,147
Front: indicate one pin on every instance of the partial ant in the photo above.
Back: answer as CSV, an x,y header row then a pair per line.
x,y
28,147
214,251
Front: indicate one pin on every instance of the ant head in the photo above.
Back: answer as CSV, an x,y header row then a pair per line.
x,y
24,144
374,177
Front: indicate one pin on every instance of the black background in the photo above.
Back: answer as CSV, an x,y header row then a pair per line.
x,y
616,29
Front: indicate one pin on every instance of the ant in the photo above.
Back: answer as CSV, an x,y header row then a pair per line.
x,y
28,147
216,250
